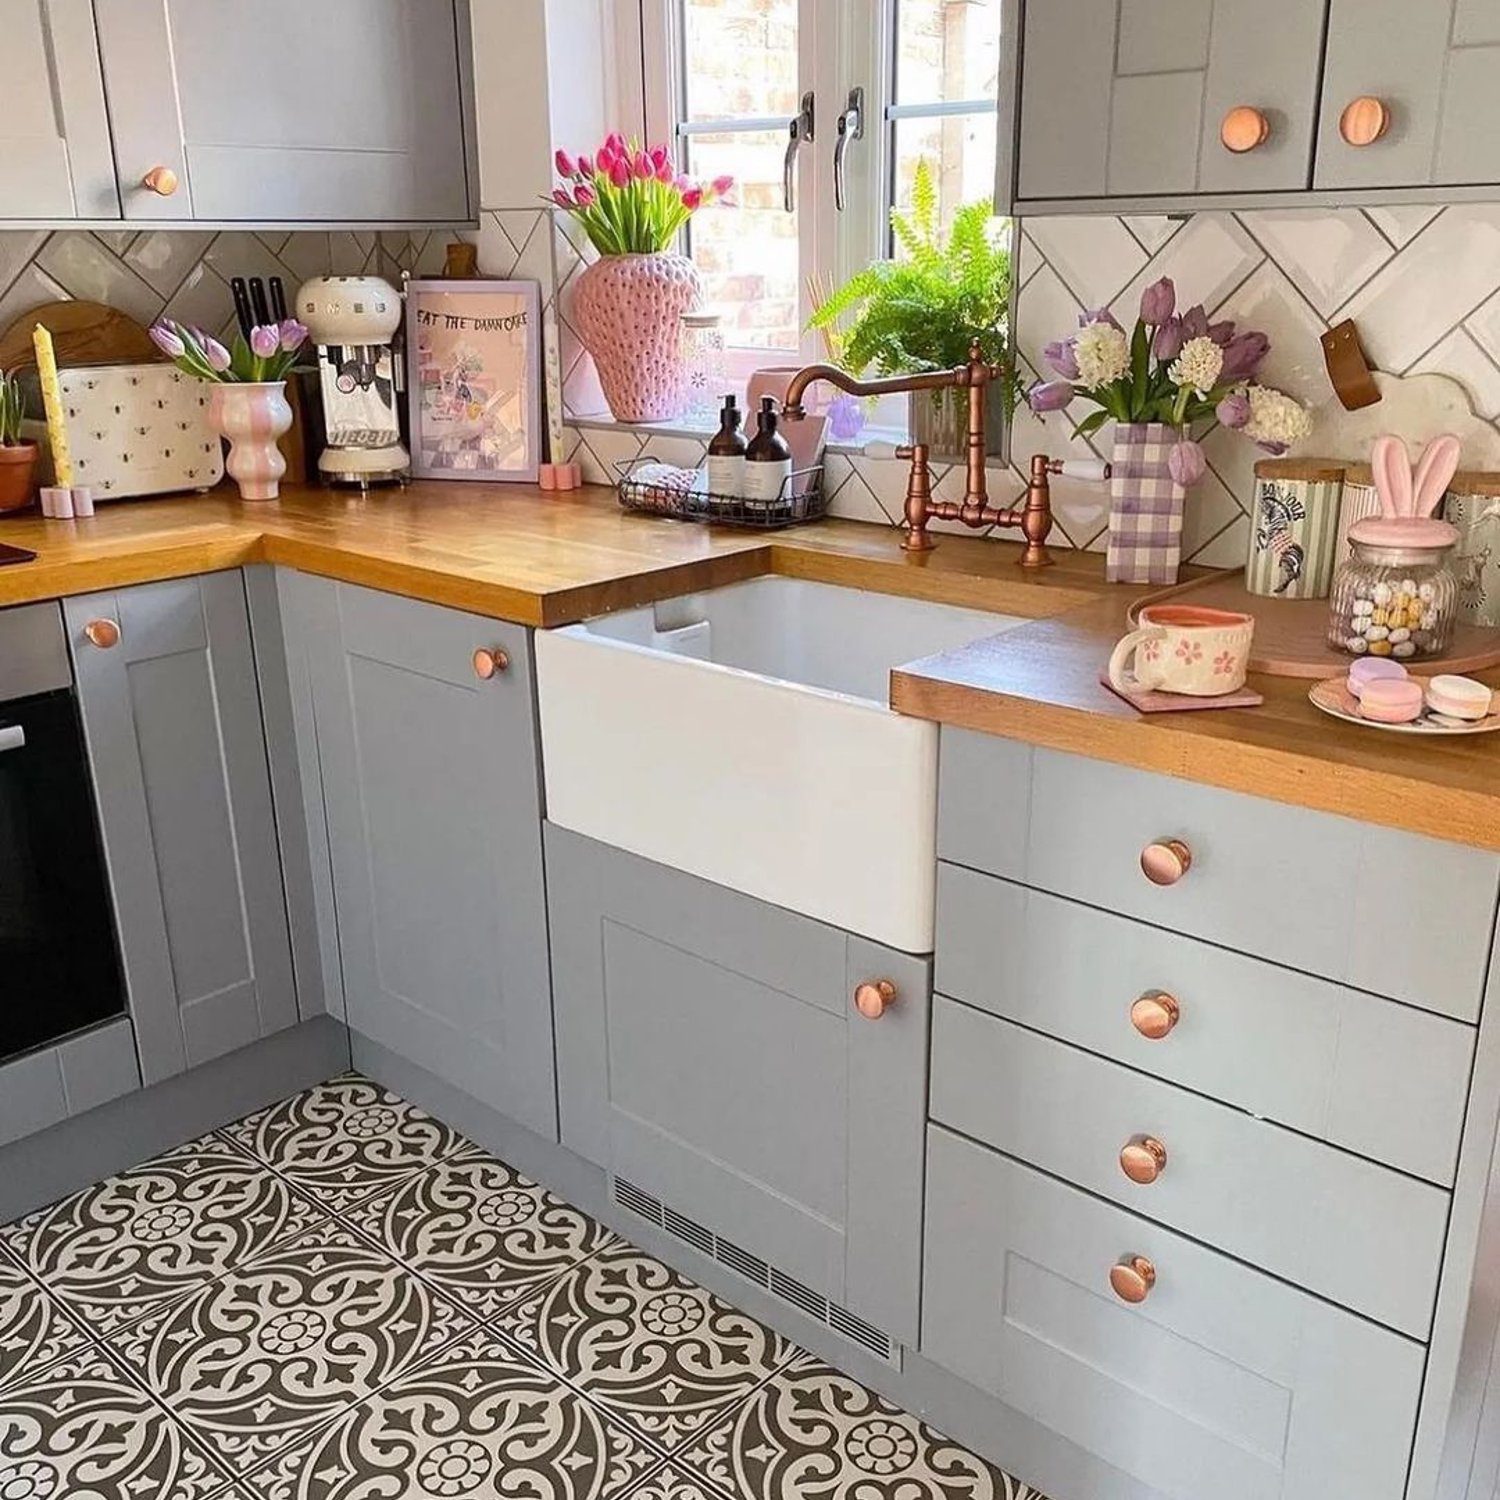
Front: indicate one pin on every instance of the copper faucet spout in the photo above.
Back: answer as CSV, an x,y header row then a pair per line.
x,y
930,380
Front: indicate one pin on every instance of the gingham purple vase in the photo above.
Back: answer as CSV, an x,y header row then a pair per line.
x,y
1145,506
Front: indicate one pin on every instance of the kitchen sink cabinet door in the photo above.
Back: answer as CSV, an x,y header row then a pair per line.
x,y
709,1053
1127,101
284,110
1433,66
432,794
172,720
55,160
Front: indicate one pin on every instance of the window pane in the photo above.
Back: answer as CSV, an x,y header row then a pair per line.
x,y
747,255
947,50
740,58
960,153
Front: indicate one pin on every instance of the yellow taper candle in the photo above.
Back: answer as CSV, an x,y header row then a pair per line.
x,y
57,430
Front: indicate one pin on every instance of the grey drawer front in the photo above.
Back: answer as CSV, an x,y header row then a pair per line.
x,y
1276,881
1222,1383
69,1078
1358,1234
1324,1059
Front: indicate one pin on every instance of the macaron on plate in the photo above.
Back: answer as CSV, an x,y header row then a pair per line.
x,y
1379,693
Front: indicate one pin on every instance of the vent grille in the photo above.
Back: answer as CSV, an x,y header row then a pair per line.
x,y
754,1269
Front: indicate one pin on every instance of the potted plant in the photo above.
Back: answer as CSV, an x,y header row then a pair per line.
x,y
17,458
628,305
1171,373
248,405
923,311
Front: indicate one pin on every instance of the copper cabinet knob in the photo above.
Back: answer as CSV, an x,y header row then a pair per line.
x,y
1155,1014
1143,1159
102,633
1244,128
1166,861
487,663
161,180
1132,1278
872,999
1364,120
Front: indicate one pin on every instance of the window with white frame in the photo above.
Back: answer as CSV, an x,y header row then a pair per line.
x,y
761,88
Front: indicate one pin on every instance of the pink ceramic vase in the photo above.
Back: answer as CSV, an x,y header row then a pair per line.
x,y
252,415
628,309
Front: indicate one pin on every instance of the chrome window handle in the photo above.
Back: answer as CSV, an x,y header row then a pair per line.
x,y
12,736
851,128
801,131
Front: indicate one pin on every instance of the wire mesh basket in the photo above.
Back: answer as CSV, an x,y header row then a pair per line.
x,y
801,499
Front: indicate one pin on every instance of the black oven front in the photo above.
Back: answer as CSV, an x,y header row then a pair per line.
x,y
59,964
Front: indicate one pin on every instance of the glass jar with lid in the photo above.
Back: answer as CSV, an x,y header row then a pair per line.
x,y
704,364
1397,595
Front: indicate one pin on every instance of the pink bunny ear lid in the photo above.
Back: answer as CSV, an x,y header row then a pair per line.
x,y
1390,466
1435,471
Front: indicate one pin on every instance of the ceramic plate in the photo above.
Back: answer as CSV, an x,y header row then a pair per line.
x,y
1332,695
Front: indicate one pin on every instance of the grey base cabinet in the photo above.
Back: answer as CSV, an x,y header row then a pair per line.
x,y
431,790
73,1076
709,1052
171,714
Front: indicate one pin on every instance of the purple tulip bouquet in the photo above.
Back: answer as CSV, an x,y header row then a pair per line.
x,y
264,357
1175,368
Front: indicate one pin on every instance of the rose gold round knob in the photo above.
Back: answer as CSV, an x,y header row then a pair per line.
x,y
1364,120
1166,862
1132,1278
1244,128
102,633
873,999
487,663
1143,1159
161,180
1155,1014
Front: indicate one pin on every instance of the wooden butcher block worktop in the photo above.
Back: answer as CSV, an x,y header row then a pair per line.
x,y
517,554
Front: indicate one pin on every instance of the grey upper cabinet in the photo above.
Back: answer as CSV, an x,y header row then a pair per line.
x,y
1129,101
55,160
709,1052
431,788
172,720
1432,67
285,111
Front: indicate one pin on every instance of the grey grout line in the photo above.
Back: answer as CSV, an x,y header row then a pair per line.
x,y
1341,311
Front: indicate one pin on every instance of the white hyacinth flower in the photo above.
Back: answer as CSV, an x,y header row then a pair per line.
x,y
1198,365
1102,352
1276,419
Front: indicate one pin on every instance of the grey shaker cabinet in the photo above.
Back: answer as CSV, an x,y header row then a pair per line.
x,y
172,720
432,794
1127,101
709,1052
55,159
284,110
1434,66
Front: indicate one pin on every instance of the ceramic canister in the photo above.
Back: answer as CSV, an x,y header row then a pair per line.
x,y
1359,501
1472,505
1294,528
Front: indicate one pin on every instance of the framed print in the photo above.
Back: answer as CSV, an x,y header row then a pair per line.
x,y
474,379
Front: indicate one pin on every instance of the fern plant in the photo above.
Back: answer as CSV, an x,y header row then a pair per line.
x,y
922,312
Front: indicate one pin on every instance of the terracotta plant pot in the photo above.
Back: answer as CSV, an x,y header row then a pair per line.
x,y
628,309
17,475
252,416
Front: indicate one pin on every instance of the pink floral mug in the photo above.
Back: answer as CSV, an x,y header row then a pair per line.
x,y
1185,648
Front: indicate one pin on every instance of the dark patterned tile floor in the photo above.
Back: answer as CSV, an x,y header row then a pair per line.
x,y
340,1298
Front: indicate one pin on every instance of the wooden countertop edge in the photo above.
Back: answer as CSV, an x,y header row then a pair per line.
x,y
1393,799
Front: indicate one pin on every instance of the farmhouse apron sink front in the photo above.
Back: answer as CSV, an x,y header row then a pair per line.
x,y
742,735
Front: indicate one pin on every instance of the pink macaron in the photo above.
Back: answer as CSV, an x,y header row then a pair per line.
x,y
1459,697
1391,700
1373,669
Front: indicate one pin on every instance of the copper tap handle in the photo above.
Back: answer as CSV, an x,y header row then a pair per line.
x,y
1132,1278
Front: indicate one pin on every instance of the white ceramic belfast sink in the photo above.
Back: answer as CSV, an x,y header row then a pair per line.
x,y
742,735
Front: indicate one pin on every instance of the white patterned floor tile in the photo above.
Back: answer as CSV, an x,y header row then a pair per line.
x,y
34,1329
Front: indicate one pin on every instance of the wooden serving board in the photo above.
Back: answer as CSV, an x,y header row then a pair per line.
x,y
1289,633
83,333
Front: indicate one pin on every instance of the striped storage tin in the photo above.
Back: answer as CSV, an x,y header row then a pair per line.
x,y
1294,527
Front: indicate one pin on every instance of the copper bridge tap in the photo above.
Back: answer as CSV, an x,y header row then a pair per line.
x,y
1032,515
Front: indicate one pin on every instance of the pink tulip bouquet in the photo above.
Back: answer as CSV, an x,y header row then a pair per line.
x,y
265,356
1177,369
631,200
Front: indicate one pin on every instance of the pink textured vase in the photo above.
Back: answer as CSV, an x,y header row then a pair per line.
x,y
252,415
629,309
